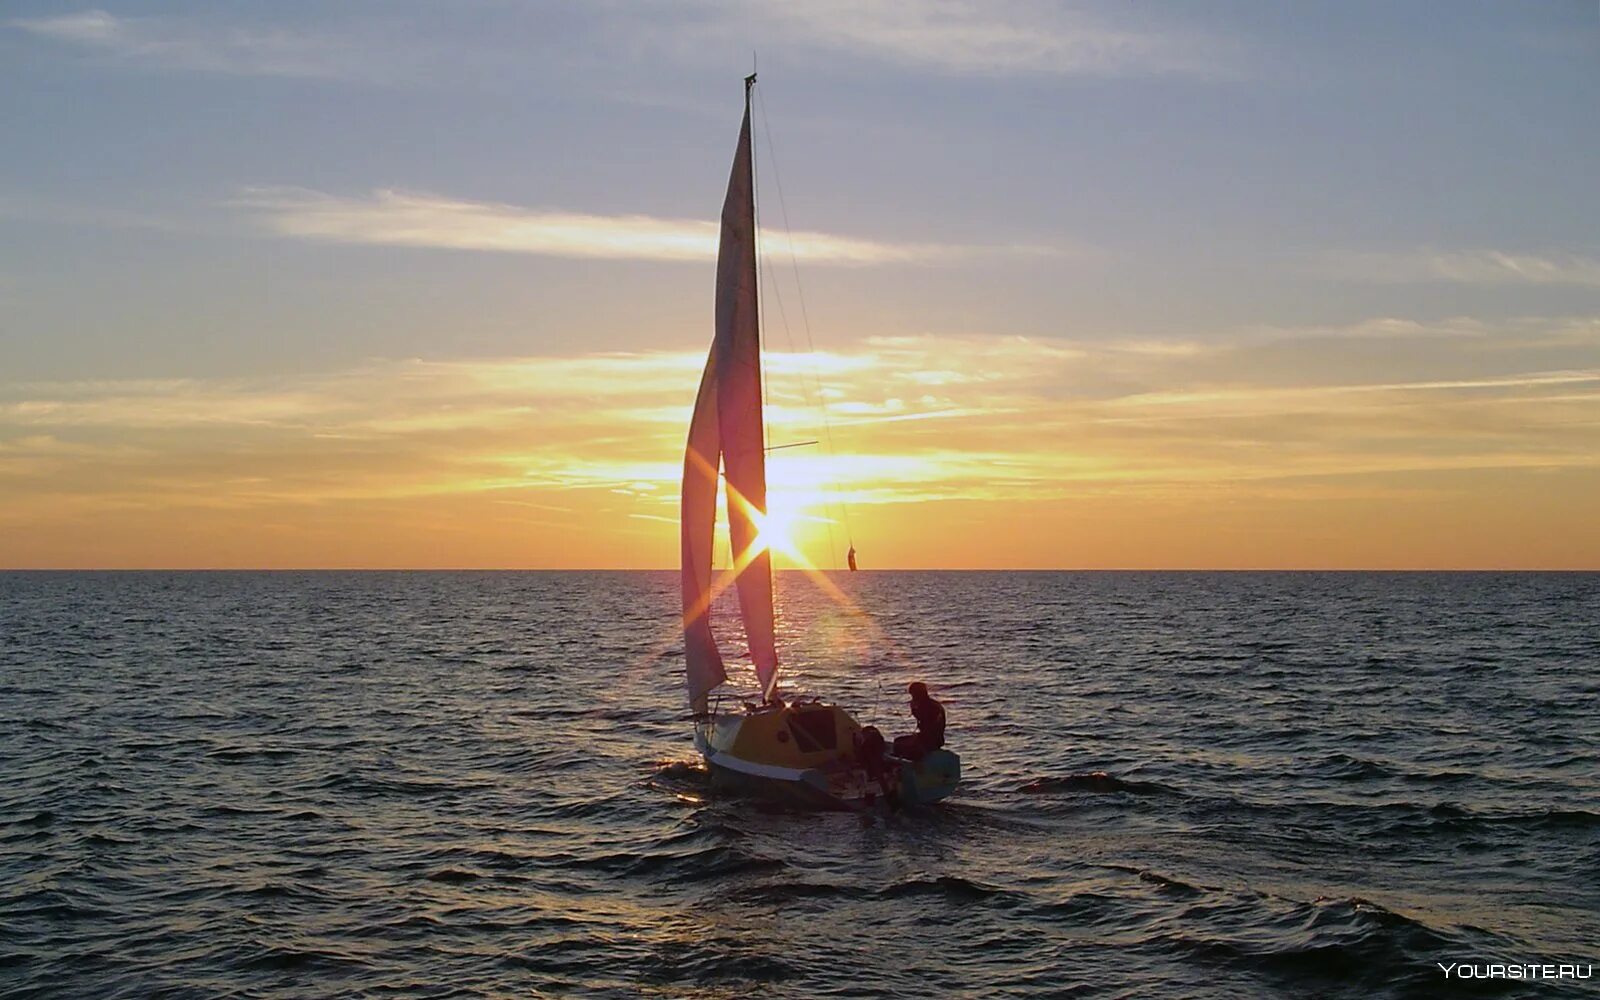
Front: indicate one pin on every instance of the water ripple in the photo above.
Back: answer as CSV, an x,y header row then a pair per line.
x,y
481,784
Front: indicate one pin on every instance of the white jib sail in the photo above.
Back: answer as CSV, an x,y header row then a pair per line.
x,y
698,526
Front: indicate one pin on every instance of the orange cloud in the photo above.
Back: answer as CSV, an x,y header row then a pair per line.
x,y
927,440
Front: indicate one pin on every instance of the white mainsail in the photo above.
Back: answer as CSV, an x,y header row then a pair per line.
x,y
727,424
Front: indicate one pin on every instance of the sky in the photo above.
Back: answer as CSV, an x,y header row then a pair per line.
x,y
1124,285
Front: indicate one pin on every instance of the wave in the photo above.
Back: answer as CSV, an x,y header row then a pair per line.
x,y
950,889
947,887
1448,816
281,890
1347,946
1094,782
27,836
1170,886
48,904
503,860
282,958
454,876
104,840
470,830
368,785
1377,817
1446,777
227,810
788,892
239,755
1347,767
682,772
710,863
1579,819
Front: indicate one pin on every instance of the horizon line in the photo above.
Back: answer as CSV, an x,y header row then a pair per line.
x,y
907,569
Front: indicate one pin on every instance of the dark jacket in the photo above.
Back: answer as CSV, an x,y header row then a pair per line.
x,y
930,722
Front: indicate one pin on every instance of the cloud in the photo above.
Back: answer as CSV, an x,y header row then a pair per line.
x,y
576,458
1475,267
397,218
1032,419
975,37
1275,398
200,45
957,37
90,27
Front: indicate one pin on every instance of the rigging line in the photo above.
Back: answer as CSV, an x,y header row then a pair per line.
x,y
805,392
755,255
788,335
794,261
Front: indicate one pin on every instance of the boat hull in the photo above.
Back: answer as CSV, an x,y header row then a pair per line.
x,y
800,756
807,791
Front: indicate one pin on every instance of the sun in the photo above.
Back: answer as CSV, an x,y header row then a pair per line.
x,y
776,531
780,528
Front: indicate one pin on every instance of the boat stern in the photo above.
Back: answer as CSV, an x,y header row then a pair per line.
x,y
931,778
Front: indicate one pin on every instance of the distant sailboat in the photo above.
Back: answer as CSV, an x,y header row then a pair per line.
x,y
804,752
850,557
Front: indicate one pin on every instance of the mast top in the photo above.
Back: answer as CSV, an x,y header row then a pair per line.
x,y
749,81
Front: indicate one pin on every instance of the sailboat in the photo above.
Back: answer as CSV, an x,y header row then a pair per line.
x,y
805,752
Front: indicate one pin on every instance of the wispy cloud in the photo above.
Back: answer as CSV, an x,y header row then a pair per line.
x,y
398,218
1041,409
1300,397
90,27
588,443
1474,267
980,37
200,45
958,37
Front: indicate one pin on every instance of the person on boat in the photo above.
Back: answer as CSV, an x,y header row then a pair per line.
x,y
930,725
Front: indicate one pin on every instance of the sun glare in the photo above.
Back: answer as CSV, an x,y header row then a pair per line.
x,y
776,530
781,529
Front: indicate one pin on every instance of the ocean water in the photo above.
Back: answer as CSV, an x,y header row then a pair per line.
x,y
483,784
